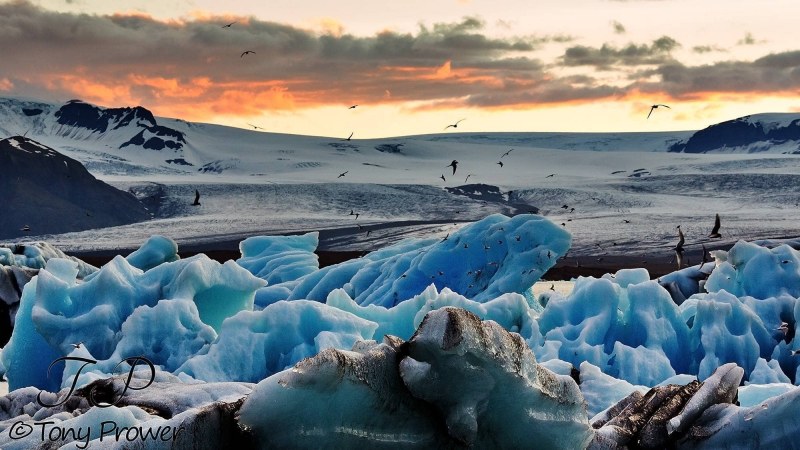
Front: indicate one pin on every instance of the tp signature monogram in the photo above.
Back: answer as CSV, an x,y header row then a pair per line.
x,y
132,360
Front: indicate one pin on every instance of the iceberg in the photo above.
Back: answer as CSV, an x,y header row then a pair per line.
x,y
496,394
481,261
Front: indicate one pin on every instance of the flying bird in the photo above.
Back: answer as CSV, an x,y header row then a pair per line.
x,y
445,238
455,125
255,127
506,153
679,248
25,228
500,163
348,137
443,179
78,345
228,25
469,175
551,175
454,165
343,174
196,198
352,107
246,52
655,107
715,230
357,214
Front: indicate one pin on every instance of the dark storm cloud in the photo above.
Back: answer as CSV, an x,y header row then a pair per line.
x,y
633,54
193,69
774,73
70,54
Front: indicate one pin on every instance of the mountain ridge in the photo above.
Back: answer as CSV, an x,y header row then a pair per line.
x,y
47,192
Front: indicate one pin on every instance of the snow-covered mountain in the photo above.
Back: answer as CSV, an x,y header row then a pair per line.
x,y
46,192
131,141
619,188
774,133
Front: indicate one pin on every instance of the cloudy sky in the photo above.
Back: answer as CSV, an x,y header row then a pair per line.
x,y
412,66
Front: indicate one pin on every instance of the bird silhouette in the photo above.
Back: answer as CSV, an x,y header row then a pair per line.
x,y
25,228
348,137
500,163
626,220
196,198
469,175
78,345
715,231
506,153
551,175
656,107
247,52
255,127
228,25
445,238
443,179
679,248
343,174
455,125
454,165
352,107
357,214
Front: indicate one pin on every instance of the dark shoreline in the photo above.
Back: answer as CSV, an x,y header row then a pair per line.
x,y
566,269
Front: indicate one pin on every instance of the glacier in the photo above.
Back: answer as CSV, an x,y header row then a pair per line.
x,y
426,342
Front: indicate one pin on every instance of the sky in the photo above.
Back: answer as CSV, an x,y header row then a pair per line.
x,y
413,66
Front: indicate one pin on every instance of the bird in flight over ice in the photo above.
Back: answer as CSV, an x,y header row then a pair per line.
x,y
348,137
443,179
506,153
196,198
255,127
352,107
500,163
455,125
247,52
715,230
343,174
228,25
656,107
454,165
